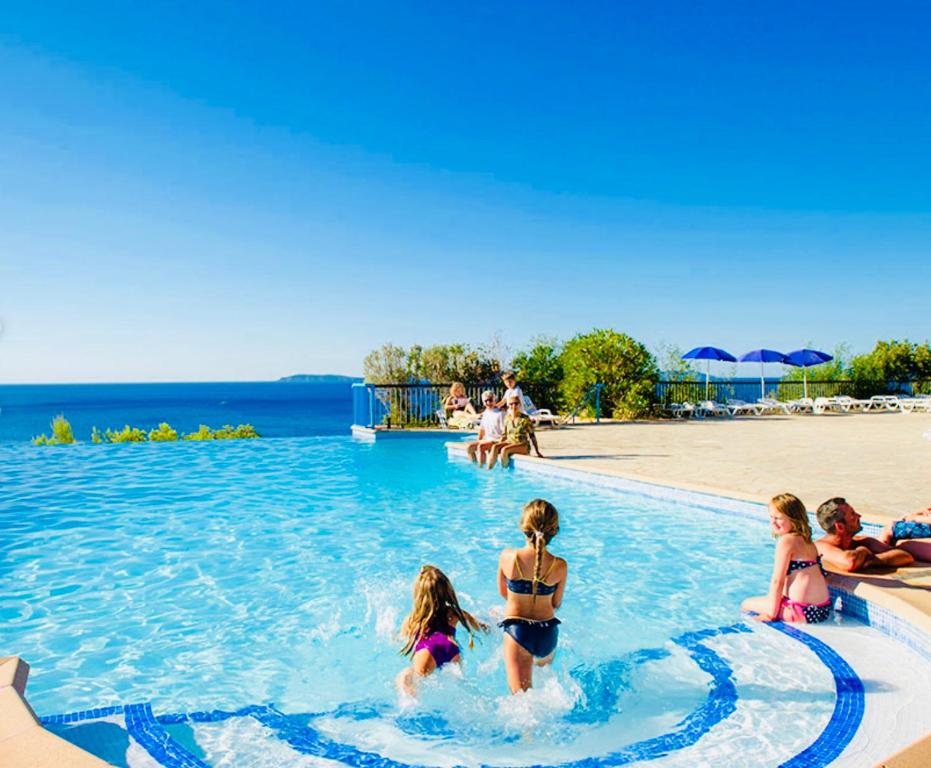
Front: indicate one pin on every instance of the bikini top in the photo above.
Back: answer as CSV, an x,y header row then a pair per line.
x,y
797,565
522,586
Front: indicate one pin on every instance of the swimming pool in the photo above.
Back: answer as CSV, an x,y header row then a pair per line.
x,y
250,595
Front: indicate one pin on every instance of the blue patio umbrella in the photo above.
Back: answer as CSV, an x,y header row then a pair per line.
x,y
708,354
762,356
805,358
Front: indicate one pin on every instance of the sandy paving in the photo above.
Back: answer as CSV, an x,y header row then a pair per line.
x,y
879,461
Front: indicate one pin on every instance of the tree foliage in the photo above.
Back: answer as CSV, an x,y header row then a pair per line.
x,y
440,363
540,370
624,365
893,361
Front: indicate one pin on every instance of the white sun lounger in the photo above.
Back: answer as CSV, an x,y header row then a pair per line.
x,y
770,405
539,415
711,408
743,408
801,405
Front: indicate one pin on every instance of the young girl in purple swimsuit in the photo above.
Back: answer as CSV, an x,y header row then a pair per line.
x,y
430,629
798,590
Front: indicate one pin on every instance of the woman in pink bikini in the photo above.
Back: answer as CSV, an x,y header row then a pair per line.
x,y
430,629
798,590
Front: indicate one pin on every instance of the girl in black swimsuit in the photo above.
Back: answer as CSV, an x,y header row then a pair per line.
x,y
531,629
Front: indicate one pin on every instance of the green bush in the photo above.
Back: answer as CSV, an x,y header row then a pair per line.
x,y
241,432
163,434
62,434
625,367
226,432
540,373
127,434
203,433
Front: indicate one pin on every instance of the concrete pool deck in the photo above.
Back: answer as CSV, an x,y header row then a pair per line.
x,y
878,461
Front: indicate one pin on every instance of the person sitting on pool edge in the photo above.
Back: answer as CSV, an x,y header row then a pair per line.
x,y
798,590
911,533
490,430
518,436
513,390
842,549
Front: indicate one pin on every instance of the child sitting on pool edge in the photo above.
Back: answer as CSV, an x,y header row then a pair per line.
x,y
430,628
798,590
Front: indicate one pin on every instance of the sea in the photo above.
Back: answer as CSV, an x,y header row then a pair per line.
x,y
274,408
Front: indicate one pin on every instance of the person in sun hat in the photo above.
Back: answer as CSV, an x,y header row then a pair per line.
x,y
518,436
490,430
842,549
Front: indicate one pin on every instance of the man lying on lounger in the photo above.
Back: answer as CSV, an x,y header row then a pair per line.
x,y
842,549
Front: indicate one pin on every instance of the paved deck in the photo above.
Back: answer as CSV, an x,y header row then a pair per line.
x,y
879,461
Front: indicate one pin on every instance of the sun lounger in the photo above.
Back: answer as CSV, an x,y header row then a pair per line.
x,y
883,403
770,405
711,408
825,404
677,410
801,405
539,415
743,408
912,404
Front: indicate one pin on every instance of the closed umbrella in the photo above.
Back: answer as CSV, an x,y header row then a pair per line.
x,y
804,359
762,356
708,354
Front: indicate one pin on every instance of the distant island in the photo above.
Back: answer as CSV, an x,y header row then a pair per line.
x,y
320,378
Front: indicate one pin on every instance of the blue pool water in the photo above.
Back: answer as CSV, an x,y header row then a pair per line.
x,y
275,409
205,576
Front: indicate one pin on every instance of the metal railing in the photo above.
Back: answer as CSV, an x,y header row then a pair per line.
x,y
406,405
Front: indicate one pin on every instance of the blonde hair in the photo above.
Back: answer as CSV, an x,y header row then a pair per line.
x,y
457,386
794,511
435,602
539,522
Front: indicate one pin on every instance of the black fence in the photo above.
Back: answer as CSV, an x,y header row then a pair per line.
x,y
407,405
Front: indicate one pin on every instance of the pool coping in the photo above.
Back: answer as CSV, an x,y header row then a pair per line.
x,y
871,598
23,740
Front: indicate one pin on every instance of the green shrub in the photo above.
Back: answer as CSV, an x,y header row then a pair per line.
x,y
203,433
62,434
163,434
625,367
540,373
127,434
241,432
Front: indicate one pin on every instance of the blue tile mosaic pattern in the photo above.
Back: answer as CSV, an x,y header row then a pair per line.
x,y
149,734
848,706
84,714
883,620
721,702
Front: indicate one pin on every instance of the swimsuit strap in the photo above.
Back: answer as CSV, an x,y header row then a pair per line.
x,y
520,573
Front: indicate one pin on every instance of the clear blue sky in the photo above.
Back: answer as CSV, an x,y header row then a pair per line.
x,y
195,191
